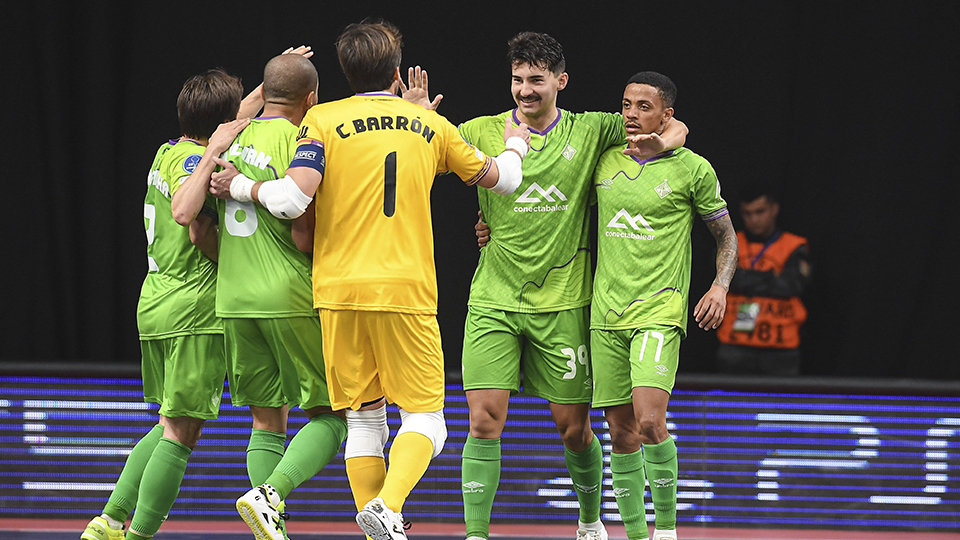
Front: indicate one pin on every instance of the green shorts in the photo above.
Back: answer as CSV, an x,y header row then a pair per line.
x,y
551,350
184,375
625,359
272,362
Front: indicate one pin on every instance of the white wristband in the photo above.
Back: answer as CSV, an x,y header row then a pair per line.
x,y
518,144
240,188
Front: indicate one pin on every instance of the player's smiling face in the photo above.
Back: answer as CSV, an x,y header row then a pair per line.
x,y
643,110
535,90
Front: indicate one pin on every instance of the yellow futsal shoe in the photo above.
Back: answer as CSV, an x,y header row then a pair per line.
x,y
262,510
99,529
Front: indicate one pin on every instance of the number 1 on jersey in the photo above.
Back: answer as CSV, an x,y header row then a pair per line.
x,y
390,184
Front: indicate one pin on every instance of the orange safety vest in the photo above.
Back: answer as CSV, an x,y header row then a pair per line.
x,y
776,321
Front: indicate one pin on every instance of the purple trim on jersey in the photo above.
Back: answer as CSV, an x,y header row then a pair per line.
x,y
544,132
184,139
309,155
275,174
716,214
173,141
364,94
272,118
639,161
665,289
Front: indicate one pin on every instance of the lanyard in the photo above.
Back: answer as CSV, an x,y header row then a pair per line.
x,y
774,238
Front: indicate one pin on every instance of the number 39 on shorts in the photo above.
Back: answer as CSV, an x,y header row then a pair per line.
x,y
578,356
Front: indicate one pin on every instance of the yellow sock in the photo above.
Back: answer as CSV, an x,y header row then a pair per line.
x,y
366,476
409,456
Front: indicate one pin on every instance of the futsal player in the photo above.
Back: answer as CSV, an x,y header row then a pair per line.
x,y
646,211
180,337
371,160
264,296
530,296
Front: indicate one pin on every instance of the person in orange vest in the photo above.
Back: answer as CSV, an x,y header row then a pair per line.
x,y
760,333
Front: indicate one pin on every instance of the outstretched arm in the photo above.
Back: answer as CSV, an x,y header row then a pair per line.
x,y
710,309
415,91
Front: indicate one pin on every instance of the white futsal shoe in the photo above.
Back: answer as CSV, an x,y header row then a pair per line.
x,y
381,523
666,534
591,531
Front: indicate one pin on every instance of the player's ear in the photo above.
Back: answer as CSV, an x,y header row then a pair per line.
x,y
667,115
562,81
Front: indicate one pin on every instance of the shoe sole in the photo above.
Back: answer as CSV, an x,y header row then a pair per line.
x,y
372,526
252,520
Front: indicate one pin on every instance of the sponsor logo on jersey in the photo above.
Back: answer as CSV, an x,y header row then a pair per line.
x,y
302,133
621,492
605,183
568,152
663,482
190,164
250,156
473,487
637,223
536,194
663,189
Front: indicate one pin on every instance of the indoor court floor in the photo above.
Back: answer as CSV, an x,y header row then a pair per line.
x,y
51,529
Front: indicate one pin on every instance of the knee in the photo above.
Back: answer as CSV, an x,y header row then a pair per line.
x,y
486,423
624,438
367,433
652,430
429,424
576,436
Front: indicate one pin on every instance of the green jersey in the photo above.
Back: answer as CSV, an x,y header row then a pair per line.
x,y
262,273
538,258
180,289
645,209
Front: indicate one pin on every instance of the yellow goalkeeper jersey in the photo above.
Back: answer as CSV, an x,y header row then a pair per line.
x,y
373,243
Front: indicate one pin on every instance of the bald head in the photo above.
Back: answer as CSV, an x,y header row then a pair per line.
x,y
288,78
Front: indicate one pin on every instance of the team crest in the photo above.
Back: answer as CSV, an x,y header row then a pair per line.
x,y
568,152
663,189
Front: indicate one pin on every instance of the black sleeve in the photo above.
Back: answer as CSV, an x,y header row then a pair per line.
x,y
791,282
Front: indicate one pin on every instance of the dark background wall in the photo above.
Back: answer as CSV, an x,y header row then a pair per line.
x,y
850,107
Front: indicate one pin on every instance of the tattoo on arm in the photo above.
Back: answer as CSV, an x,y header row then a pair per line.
x,y
722,231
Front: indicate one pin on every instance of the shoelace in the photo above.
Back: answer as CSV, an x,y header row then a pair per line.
x,y
407,525
284,516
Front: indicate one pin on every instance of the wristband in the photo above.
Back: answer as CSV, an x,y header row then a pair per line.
x,y
240,188
517,144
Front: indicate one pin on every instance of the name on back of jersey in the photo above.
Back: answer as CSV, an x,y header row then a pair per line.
x,y
154,179
249,155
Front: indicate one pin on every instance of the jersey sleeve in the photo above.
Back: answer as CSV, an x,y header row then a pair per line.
x,y
612,130
183,171
309,129
464,159
706,191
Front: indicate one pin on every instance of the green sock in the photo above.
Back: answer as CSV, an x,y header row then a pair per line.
x,y
480,472
160,486
628,486
661,465
123,499
586,471
263,453
310,450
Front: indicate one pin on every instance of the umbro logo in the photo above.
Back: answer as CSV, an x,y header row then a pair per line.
x,y
663,482
635,222
548,194
586,489
473,487
662,369
621,492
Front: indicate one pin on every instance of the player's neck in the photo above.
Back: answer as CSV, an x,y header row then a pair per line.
x,y
273,110
199,140
542,122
